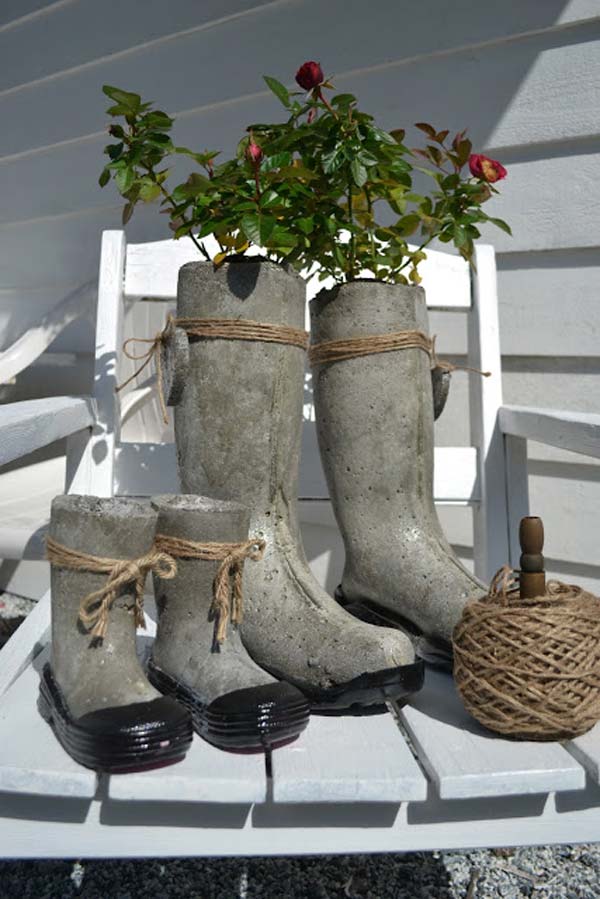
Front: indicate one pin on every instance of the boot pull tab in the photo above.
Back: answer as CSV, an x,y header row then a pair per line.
x,y
532,577
440,383
175,362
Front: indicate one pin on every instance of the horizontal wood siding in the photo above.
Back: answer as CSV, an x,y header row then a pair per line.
x,y
524,76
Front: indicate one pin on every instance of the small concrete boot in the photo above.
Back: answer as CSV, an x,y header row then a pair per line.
x,y
238,427
94,692
375,428
198,656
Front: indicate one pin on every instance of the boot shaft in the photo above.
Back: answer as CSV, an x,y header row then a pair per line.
x,y
110,528
374,413
239,421
184,602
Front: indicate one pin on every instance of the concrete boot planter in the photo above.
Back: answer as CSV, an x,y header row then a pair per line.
x,y
375,427
234,703
94,692
238,428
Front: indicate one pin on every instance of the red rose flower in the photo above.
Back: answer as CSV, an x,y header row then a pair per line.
x,y
310,75
485,168
254,153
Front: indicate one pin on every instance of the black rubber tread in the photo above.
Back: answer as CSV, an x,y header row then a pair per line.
x,y
252,719
433,650
124,738
373,688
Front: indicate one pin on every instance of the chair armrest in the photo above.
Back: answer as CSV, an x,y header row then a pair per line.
x,y
26,426
578,432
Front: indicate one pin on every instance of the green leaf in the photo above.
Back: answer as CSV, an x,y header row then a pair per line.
x,y
104,177
124,179
343,101
250,225
128,99
279,89
500,223
149,190
460,236
127,212
332,160
359,172
114,150
306,224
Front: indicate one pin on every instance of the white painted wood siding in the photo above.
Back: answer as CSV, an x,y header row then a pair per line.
x,y
524,76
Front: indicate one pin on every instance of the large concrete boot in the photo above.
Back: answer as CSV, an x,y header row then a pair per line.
x,y
234,703
375,428
238,429
94,692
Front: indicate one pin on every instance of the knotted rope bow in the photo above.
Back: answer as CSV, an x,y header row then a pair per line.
x,y
153,352
227,585
352,347
95,607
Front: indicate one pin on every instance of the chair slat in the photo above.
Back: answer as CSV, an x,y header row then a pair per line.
x,y
205,775
348,759
586,749
31,758
465,761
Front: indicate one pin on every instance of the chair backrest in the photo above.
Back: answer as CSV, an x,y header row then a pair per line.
x,y
469,475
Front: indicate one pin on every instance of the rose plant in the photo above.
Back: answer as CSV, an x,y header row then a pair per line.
x,y
324,187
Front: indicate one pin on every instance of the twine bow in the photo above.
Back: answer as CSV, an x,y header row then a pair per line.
x,y
227,602
94,608
153,352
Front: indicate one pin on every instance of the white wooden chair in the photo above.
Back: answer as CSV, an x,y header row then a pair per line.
x,y
348,784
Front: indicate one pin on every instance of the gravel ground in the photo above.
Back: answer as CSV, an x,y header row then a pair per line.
x,y
564,872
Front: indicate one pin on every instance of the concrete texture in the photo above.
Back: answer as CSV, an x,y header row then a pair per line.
x,y
375,428
184,645
238,435
92,674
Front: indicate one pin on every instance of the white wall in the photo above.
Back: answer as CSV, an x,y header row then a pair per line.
x,y
524,76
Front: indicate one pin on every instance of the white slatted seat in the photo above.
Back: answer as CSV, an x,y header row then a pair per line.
x,y
425,776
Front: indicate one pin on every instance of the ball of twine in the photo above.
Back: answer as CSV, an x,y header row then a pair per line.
x,y
530,668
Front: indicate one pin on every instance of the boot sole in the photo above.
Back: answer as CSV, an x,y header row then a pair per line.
x,y
139,748
368,690
436,652
252,727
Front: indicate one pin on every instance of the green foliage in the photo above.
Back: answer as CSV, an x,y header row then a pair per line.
x,y
316,196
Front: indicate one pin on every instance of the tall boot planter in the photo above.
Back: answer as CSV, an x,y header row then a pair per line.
x,y
198,657
94,692
375,418
238,427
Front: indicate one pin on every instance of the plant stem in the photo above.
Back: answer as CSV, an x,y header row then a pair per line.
x,y
350,216
168,197
418,250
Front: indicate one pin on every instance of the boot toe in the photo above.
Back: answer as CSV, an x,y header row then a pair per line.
x,y
256,718
118,738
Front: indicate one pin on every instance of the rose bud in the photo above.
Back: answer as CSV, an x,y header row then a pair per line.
x,y
310,75
254,153
485,168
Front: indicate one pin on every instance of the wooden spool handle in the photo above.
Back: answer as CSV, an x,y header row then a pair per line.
x,y
532,580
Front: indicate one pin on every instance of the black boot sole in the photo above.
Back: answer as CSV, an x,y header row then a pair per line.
x,y
434,651
120,739
368,691
245,720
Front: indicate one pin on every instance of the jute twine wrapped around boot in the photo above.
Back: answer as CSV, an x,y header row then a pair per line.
x,y
530,668
95,607
328,351
227,601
